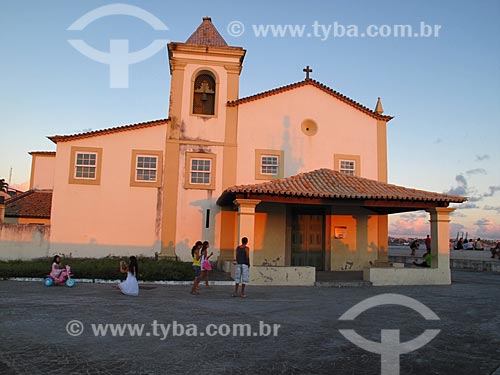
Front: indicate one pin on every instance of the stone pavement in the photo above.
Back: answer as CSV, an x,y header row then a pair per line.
x,y
34,340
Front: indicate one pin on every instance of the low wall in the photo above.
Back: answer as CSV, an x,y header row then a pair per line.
x,y
291,276
492,265
24,242
407,276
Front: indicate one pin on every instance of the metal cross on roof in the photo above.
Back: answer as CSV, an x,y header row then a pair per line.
x,y
307,70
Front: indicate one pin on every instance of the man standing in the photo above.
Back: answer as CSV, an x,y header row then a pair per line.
x,y
428,244
242,258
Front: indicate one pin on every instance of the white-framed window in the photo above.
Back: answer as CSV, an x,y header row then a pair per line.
x,y
347,167
146,168
85,165
200,171
348,164
269,165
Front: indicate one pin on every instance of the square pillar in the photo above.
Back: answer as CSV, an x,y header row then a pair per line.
x,y
440,237
2,209
246,222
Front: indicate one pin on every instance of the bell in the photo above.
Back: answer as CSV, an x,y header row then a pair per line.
x,y
204,97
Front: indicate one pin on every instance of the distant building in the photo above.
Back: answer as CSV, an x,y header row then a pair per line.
x,y
31,207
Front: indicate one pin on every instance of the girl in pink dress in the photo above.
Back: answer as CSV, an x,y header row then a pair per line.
x,y
57,268
206,267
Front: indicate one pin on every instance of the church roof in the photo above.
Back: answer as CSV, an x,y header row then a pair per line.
x,y
327,184
33,203
95,133
207,35
47,153
314,83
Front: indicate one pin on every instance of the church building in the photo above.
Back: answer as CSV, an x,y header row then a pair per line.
x,y
301,170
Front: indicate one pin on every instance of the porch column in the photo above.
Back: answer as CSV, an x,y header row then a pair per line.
x,y
246,222
440,237
2,209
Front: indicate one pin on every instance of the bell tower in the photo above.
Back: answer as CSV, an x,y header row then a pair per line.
x,y
205,75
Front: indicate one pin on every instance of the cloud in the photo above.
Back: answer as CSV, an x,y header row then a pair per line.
x,y
476,198
487,228
492,208
438,140
476,171
493,190
461,188
456,227
461,180
467,206
415,215
482,157
458,214
410,225
483,222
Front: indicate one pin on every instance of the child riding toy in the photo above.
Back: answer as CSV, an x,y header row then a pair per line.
x,y
59,275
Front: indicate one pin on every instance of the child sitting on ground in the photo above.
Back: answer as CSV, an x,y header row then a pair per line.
x,y
426,262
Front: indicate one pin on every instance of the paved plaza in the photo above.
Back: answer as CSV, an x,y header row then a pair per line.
x,y
34,321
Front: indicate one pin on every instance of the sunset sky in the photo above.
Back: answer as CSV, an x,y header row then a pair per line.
x,y
444,90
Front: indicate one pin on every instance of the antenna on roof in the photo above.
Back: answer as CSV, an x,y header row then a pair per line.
x,y
10,176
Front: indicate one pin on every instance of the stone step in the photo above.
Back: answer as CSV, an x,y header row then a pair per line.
x,y
343,284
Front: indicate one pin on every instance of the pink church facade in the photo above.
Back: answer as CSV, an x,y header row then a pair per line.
x,y
222,167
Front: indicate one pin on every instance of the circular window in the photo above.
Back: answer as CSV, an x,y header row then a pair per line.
x,y
309,127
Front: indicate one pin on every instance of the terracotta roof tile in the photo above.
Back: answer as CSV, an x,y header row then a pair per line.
x,y
329,184
33,203
95,133
207,35
311,82
48,153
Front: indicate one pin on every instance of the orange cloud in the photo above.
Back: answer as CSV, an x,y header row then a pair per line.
x,y
409,225
487,228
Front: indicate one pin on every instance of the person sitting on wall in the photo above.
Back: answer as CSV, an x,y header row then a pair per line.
x,y
459,245
468,245
478,245
426,262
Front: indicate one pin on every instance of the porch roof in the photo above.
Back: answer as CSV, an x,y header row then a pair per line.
x,y
329,187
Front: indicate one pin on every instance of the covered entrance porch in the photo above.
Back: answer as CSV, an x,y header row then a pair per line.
x,y
327,221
